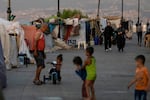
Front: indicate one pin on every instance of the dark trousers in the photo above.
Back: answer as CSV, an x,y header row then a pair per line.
x,y
140,95
107,42
121,42
139,34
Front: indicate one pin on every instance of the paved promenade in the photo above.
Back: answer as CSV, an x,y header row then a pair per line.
x,y
114,71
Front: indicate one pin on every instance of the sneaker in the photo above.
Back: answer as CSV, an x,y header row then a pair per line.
x,y
110,49
106,50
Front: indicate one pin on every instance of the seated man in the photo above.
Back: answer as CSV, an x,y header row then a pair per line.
x,y
3,81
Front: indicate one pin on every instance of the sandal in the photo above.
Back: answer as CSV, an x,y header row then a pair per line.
x,y
37,82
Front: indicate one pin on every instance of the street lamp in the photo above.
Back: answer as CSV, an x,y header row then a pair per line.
x,y
138,11
9,10
58,15
58,12
122,11
98,10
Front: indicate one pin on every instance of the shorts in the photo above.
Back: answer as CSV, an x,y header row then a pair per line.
x,y
91,77
40,59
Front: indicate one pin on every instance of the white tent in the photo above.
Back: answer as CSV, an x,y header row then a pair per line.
x,y
3,80
9,43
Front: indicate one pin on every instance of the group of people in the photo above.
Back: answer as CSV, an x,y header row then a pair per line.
x,y
120,39
86,71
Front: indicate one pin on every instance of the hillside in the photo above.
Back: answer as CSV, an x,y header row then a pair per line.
x,y
108,7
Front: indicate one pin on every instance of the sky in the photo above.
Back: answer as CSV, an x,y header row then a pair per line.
x,y
18,5
83,4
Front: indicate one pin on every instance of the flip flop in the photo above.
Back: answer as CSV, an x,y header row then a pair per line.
x,y
37,82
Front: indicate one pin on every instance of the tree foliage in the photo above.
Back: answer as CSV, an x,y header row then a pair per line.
x,y
68,13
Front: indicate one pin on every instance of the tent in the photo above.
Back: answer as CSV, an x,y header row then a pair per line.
x,y
13,43
3,81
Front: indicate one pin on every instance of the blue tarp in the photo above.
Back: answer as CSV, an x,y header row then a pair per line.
x,y
51,27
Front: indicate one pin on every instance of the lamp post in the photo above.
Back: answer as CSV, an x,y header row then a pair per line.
x,y
98,10
58,12
98,17
122,16
138,11
9,10
58,15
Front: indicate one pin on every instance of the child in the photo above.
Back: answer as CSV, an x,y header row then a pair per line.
x,y
90,66
141,79
81,72
59,61
58,65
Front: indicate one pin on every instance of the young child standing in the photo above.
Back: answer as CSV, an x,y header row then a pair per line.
x,y
59,61
90,66
81,73
141,79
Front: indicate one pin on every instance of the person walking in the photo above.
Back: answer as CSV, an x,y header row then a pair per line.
x,y
120,38
39,55
148,27
139,30
107,36
141,80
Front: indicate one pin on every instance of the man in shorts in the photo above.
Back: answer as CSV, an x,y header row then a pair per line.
x,y
39,55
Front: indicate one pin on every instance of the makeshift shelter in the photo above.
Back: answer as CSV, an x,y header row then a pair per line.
x,y
89,32
80,37
115,20
74,32
13,43
3,79
58,43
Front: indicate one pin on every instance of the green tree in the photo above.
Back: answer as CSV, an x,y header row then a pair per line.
x,y
68,13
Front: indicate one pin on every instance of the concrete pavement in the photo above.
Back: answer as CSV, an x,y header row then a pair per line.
x,y
114,70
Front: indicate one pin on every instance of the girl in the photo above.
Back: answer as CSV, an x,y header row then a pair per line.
x,y
90,66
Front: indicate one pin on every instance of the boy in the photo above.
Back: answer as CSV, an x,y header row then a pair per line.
x,y
58,66
59,61
141,79
81,73
90,66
